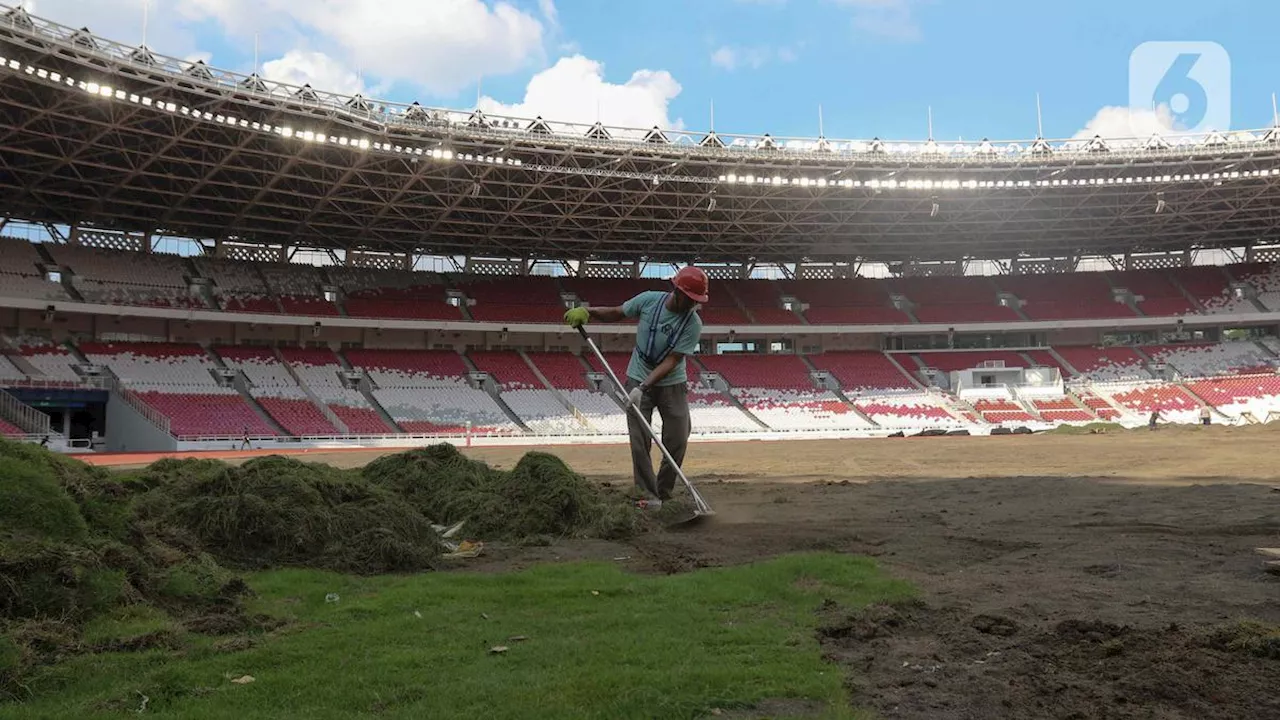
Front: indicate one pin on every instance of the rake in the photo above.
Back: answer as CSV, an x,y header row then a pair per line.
x,y
700,507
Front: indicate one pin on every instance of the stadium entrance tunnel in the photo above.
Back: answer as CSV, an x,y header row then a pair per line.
x,y
78,414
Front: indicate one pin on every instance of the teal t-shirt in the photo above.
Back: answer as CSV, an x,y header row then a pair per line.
x,y
655,344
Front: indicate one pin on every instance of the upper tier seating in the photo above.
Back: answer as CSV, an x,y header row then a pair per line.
x,y
722,306
1209,285
515,299
357,279
293,279
20,274
761,298
1105,364
1160,296
1065,297
856,301
863,372
127,278
953,299
954,361
608,292
1265,279
419,302
1226,358
313,306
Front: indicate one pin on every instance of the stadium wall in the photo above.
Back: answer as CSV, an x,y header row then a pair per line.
x,y
346,329
129,431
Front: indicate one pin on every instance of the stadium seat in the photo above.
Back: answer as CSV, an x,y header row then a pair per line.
x,y
426,392
1105,364
953,361
515,299
319,370
861,372
1061,410
1077,296
1208,359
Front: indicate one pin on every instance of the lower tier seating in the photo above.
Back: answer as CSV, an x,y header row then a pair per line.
x,y
799,409
207,413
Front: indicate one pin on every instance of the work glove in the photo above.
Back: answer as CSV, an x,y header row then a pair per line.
x,y
634,396
576,317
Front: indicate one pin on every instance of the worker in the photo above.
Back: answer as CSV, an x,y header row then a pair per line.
x,y
668,332
1205,415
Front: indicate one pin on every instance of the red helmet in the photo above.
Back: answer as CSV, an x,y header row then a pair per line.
x,y
692,281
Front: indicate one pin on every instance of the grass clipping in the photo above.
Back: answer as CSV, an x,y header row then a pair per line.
x,y
82,548
275,511
540,498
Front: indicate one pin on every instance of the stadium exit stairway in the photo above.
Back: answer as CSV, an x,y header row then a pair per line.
x,y
495,392
241,385
555,392
322,406
366,389
839,393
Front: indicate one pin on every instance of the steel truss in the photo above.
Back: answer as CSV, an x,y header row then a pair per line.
x,y
209,172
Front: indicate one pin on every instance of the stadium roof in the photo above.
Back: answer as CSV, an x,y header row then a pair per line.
x,y
101,133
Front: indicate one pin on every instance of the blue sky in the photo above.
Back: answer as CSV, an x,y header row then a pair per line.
x,y
874,66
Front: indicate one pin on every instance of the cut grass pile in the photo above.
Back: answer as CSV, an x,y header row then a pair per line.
x,y
85,553
583,640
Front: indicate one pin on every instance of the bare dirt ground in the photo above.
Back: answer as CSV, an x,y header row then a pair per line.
x,y
1061,576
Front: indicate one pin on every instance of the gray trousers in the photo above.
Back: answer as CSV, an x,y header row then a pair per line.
x,y
672,404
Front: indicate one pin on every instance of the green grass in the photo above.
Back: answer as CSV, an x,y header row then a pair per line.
x,y
417,647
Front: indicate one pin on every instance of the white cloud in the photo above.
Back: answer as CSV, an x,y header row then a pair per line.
x,y
1115,122
548,10
122,21
308,67
441,46
575,90
891,19
731,58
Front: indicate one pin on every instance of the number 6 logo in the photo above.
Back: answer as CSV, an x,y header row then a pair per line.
x,y
1187,83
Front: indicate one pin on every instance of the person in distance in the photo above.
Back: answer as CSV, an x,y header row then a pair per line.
x,y
668,332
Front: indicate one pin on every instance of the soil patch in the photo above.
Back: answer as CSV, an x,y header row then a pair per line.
x,y
922,662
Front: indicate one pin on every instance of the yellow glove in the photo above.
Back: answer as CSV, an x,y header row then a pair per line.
x,y
576,317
